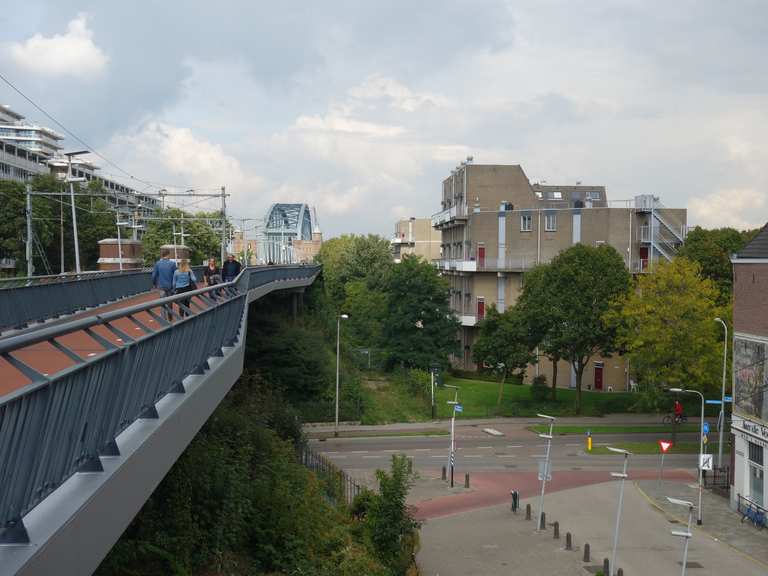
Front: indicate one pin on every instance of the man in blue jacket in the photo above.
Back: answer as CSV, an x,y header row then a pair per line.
x,y
230,269
162,273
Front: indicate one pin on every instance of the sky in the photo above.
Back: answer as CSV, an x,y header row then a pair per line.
x,y
362,108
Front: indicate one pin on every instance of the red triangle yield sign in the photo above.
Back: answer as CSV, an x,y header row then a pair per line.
x,y
665,445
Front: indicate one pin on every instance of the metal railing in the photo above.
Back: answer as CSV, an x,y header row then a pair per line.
x,y
339,486
59,424
41,298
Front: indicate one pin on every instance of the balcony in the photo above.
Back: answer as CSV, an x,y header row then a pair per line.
x,y
449,215
509,264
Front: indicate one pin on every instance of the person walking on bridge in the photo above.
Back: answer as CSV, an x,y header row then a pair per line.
x,y
162,276
212,273
184,281
230,269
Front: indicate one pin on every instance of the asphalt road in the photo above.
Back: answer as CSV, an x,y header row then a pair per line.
x,y
518,449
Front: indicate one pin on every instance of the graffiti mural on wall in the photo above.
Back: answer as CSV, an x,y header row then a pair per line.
x,y
750,378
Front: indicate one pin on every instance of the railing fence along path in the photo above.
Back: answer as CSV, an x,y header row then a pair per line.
x,y
121,363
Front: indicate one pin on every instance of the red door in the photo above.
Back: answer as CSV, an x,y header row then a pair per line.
x,y
598,377
481,256
480,309
643,257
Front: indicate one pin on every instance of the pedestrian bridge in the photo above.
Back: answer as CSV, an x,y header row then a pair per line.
x,y
96,406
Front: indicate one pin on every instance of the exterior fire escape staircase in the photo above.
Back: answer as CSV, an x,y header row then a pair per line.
x,y
663,232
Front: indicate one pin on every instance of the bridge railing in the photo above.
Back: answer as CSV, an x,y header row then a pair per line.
x,y
39,298
23,281
121,363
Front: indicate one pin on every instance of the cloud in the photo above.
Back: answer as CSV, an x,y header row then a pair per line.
x,y
399,96
334,122
739,208
72,54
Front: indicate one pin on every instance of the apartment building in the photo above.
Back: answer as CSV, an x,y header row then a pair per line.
x,y
750,372
16,130
416,236
496,225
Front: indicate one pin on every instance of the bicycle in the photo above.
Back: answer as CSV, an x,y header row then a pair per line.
x,y
670,418
754,515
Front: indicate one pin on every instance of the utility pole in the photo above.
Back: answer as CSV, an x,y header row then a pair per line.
x,y
61,233
71,181
223,224
30,265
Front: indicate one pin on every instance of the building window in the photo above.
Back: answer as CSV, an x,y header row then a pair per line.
x,y
557,195
756,474
756,453
526,223
550,222
593,195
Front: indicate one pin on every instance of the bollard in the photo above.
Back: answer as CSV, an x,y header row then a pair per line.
x,y
586,552
443,476
466,480
410,465
556,533
568,541
543,525
527,511
620,572
606,567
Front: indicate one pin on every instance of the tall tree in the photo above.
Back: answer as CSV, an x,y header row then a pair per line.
x,y
420,326
502,345
582,283
667,326
712,250
13,224
541,319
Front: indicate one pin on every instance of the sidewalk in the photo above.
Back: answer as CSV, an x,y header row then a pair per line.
x,y
494,542
718,520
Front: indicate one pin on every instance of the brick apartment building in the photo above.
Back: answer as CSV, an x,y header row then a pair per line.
x,y
750,371
496,225
415,236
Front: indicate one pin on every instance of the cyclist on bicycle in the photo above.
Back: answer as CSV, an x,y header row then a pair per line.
x,y
678,411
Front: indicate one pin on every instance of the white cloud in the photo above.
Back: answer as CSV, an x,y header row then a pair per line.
x,y
72,54
334,122
400,97
740,208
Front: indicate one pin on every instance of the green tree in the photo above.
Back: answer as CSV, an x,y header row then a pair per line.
x,y
712,250
367,309
541,320
203,242
502,345
667,326
419,326
389,525
583,282
13,224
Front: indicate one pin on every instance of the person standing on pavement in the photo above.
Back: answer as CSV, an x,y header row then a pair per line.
x,y
212,273
230,269
184,281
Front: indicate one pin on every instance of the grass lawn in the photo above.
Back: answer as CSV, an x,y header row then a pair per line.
x,y
478,397
653,448
655,429
378,434
386,402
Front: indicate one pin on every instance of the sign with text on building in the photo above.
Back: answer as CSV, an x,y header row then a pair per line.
x,y
665,445
705,461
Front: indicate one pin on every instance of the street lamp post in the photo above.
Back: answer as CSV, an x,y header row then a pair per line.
x,y
701,447
623,476
545,472
452,453
71,182
338,355
721,420
687,535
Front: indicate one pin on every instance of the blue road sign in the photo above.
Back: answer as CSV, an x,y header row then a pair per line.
x,y
729,398
713,401
706,428
458,408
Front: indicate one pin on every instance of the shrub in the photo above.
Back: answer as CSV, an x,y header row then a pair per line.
x,y
539,389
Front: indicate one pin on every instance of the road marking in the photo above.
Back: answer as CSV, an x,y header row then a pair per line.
x,y
359,452
422,449
391,451
493,432
506,456
484,447
578,444
514,445
330,452
472,456
442,456
373,456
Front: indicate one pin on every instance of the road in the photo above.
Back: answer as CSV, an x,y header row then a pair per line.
x,y
518,449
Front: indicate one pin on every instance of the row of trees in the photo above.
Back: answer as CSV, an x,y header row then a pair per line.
x,y
52,226
401,311
584,303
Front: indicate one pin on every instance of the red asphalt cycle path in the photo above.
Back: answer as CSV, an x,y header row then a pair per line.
x,y
493,488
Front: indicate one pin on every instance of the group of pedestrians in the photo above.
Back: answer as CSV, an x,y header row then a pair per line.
x,y
178,279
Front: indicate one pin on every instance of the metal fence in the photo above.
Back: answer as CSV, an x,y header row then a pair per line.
x,y
60,424
339,486
718,480
45,297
